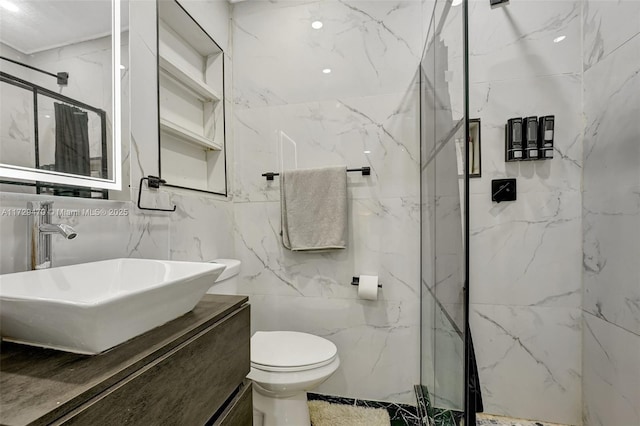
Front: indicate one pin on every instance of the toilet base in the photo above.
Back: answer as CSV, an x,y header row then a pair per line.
x,y
288,411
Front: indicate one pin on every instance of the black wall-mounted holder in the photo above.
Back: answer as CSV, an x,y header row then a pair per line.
x,y
546,127
529,138
513,141
62,78
503,190
152,182
497,2
356,281
530,132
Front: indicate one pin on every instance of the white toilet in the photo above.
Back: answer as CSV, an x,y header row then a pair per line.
x,y
284,365
227,282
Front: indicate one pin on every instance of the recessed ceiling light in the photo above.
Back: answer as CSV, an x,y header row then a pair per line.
x,y
122,67
5,4
316,25
456,2
327,70
559,39
47,116
367,152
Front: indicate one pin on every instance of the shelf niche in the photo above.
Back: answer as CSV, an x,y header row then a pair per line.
x,y
190,102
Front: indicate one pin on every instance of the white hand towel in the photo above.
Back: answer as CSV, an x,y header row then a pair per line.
x,y
314,208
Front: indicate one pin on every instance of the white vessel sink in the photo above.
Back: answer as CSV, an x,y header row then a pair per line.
x,y
91,307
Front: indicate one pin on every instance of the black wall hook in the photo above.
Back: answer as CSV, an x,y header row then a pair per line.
x,y
152,182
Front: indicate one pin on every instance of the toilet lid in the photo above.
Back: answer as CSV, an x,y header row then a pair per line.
x,y
286,349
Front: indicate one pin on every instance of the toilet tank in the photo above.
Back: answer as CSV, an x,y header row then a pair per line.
x,y
227,282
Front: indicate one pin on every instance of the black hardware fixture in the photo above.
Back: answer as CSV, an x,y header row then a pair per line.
x,y
530,133
497,2
513,143
546,128
529,138
503,190
356,281
152,182
366,171
62,77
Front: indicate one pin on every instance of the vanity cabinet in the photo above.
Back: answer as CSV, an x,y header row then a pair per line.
x,y
190,371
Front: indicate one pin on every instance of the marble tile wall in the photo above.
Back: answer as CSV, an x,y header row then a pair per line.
x,y
526,255
611,213
200,229
290,114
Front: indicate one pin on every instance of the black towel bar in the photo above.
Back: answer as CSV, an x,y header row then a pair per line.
x,y
366,171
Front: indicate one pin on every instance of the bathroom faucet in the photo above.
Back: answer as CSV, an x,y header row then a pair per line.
x,y
39,234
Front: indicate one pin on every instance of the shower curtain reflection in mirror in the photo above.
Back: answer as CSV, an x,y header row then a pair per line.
x,y
72,140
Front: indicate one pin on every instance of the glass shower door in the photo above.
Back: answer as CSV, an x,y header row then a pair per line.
x,y
443,186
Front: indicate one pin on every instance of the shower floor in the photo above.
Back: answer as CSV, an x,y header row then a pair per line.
x,y
489,420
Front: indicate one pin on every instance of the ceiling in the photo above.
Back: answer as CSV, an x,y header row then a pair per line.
x,y
31,26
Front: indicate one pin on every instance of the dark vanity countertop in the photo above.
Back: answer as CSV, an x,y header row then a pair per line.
x,y
38,386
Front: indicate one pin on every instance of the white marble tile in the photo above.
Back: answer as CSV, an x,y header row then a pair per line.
x,y
17,133
144,92
607,24
379,131
383,241
526,252
611,374
102,227
201,229
516,40
443,250
611,247
529,361
427,340
378,342
213,16
148,236
372,47
494,103
611,109
448,389
427,8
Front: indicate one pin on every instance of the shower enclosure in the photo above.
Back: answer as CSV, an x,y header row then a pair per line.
x,y
444,224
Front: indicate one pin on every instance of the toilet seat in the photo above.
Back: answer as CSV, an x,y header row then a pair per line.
x,y
290,351
288,369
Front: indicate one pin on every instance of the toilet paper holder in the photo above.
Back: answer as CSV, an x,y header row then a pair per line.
x,y
356,281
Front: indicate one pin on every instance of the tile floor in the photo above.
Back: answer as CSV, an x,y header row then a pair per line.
x,y
489,420
407,415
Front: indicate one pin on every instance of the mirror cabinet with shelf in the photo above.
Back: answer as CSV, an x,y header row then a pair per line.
x,y
190,103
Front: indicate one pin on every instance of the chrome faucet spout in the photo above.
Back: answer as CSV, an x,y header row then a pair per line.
x,y
65,230
39,234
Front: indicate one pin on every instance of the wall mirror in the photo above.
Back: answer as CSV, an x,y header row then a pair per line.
x,y
60,78
190,103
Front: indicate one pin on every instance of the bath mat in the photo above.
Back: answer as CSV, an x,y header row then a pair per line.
x,y
326,414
